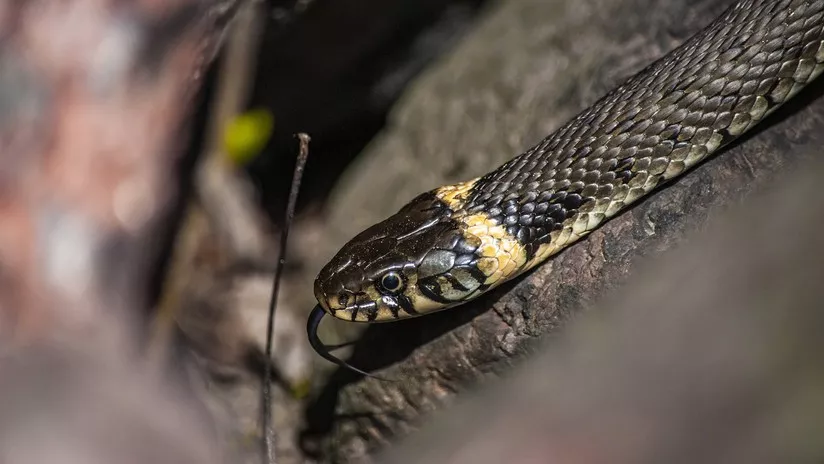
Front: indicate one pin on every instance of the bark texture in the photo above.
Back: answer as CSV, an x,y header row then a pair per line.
x,y
710,354
527,68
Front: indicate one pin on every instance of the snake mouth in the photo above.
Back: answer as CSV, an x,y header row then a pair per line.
x,y
349,306
345,304
360,312
369,308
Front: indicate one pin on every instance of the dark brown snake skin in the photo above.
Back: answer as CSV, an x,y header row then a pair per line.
x,y
451,244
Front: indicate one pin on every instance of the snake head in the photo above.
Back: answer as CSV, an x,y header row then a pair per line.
x,y
417,261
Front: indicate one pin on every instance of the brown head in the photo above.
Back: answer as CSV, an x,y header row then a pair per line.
x,y
415,262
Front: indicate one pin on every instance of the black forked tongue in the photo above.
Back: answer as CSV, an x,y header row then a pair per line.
x,y
323,350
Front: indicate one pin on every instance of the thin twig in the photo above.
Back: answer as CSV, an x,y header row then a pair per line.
x,y
266,393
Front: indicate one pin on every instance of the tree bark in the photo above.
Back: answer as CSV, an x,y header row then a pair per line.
x,y
526,69
710,354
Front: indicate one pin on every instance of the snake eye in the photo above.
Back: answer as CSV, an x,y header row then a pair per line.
x,y
392,282
343,298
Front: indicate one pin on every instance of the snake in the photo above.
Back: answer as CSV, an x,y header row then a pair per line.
x,y
452,244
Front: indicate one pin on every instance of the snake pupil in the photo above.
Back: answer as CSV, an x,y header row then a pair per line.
x,y
391,282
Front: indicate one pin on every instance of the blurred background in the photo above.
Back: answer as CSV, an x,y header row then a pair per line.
x,y
148,147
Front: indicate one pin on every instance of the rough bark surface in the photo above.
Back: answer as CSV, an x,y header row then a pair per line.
x,y
527,68
710,354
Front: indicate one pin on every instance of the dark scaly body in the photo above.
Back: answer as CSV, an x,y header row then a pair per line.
x,y
453,243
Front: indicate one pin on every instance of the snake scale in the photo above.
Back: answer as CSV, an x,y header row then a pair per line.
x,y
453,243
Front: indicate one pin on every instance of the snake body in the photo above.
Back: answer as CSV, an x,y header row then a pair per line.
x,y
451,244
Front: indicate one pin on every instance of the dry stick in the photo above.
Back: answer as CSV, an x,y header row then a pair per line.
x,y
266,393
